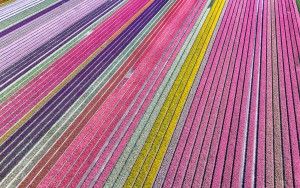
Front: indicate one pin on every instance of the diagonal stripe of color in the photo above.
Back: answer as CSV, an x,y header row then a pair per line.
x,y
149,93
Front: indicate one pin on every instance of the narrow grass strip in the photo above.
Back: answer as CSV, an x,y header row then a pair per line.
x,y
160,136
24,167
24,79
132,112
160,177
25,14
39,105
122,168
